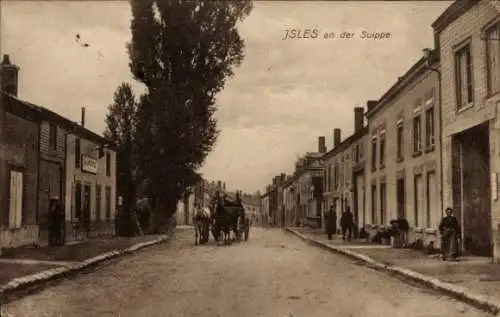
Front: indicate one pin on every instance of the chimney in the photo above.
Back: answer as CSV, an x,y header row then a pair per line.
x,y
9,76
283,178
224,185
336,137
219,186
359,121
370,104
321,144
83,117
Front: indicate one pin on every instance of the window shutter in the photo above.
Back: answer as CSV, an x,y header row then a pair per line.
x,y
19,209
494,59
12,200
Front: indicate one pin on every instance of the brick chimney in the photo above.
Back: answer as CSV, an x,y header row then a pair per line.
x,y
9,76
336,137
219,185
359,121
321,144
370,104
83,117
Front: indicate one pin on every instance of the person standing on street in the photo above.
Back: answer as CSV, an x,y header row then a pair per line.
x,y
55,223
331,222
347,222
450,231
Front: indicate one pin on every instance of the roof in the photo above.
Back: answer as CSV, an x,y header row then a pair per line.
x,y
347,142
403,82
451,14
20,108
26,108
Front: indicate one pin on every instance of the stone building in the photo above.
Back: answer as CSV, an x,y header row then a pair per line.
x,y
289,201
308,186
344,172
467,36
264,207
19,141
90,183
404,151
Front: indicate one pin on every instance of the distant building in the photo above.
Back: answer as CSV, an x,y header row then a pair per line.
x,y
345,173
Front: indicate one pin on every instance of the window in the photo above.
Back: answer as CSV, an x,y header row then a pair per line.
x,y
108,202
374,153
78,200
336,176
78,154
360,151
357,153
383,197
429,128
98,193
328,177
419,191
463,77
374,204
52,136
15,199
382,150
400,142
417,135
492,39
108,164
432,202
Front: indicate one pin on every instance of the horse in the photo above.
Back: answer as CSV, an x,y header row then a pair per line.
x,y
201,222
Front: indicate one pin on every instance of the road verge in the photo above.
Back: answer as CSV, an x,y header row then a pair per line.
x,y
17,285
460,293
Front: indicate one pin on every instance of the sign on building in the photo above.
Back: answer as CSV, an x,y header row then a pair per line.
x,y
89,164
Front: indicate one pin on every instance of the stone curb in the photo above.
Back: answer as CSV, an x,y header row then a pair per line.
x,y
460,293
24,282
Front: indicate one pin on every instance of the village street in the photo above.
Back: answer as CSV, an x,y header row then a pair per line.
x,y
273,274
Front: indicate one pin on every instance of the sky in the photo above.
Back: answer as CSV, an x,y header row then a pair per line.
x,y
286,93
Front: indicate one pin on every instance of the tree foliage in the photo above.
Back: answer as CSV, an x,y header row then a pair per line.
x,y
121,122
183,52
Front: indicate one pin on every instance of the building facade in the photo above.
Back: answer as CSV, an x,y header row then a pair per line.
x,y
404,151
344,172
90,184
19,140
265,208
289,201
308,186
53,129
467,38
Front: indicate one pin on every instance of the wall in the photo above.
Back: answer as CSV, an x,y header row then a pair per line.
x,y
469,27
73,174
19,147
336,194
51,183
402,108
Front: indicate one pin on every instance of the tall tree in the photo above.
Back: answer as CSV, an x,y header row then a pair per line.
x,y
183,52
121,130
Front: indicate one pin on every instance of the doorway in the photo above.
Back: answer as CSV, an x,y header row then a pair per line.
x,y
86,207
471,193
400,197
358,200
